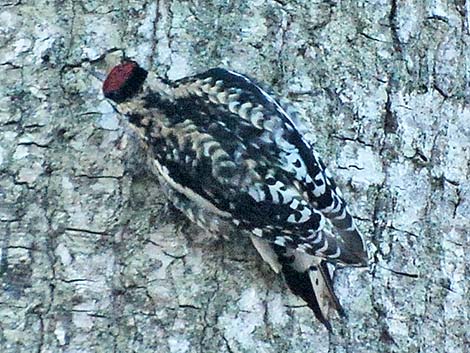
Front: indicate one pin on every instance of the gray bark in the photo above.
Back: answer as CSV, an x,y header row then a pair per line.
x,y
90,259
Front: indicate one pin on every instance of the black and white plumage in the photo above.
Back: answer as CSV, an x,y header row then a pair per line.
x,y
228,153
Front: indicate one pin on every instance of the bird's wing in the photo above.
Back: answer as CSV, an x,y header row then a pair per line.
x,y
230,145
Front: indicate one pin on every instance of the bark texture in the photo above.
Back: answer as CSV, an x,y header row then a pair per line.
x,y
92,261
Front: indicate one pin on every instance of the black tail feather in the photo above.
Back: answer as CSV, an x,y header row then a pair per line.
x,y
299,281
323,268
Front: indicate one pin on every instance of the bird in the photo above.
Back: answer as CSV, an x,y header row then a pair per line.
x,y
230,154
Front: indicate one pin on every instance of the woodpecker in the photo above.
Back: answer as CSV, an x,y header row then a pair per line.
x,y
229,154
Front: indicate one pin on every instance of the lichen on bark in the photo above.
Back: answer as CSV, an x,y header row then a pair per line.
x,y
92,260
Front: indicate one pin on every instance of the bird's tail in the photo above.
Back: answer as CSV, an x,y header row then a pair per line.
x,y
306,276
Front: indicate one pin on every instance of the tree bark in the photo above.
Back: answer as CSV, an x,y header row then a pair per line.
x,y
91,258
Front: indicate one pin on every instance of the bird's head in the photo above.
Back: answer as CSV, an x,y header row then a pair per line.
x,y
124,81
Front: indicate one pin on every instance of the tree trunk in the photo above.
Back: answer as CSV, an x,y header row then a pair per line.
x,y
91,258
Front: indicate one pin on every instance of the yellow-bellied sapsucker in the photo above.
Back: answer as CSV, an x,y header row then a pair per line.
x,y
228,153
